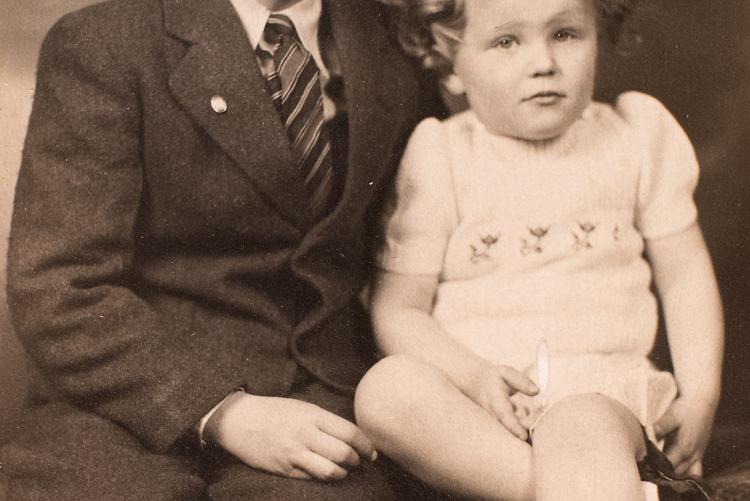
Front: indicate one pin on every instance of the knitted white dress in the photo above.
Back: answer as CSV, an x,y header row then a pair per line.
x,y
534,242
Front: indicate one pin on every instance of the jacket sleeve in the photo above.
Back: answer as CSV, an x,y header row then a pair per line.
x,y
71,252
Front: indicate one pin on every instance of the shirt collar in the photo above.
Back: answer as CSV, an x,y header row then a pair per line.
x,y
305,15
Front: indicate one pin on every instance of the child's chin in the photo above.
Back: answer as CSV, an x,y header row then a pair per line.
x,y
547,131
540,131
542,136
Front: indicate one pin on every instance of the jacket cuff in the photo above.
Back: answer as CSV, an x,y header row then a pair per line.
x,y
201,426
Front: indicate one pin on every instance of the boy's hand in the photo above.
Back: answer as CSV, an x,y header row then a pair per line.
x,y
491,388
686,426
287,437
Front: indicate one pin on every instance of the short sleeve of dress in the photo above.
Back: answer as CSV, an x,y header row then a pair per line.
x,y
669,171
420,215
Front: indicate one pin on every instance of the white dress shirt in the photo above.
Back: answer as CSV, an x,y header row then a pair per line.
x,y
306,18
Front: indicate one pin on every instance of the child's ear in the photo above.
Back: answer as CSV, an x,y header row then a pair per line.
x,y
453,84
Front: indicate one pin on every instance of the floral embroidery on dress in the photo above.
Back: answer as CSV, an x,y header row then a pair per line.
x,y
482,251
582,237
535,244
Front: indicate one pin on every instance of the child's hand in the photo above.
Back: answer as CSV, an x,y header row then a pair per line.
x,y
686,426
491,388
288,437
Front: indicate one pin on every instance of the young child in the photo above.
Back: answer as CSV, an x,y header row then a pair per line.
x,y
521,223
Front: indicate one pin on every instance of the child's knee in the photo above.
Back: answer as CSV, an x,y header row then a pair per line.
x,y
389,390
589,422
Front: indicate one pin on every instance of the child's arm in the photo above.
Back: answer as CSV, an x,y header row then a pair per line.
x,y
692,307
401,307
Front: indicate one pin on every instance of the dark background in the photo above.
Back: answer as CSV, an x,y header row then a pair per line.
x,y
694,56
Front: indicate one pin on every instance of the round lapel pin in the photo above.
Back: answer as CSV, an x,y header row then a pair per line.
x,y
218,104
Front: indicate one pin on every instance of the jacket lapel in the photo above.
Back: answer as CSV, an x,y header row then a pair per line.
x,y
381,94
221,62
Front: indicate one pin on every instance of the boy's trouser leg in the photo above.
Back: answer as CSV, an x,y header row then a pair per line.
x,y
379,481
61,453
366,483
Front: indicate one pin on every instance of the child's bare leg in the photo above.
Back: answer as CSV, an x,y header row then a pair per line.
x,y
586,447
415,415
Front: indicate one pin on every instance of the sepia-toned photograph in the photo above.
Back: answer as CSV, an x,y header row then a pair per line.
x,y
375,250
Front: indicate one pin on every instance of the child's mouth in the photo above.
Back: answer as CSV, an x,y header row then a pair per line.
x,y
545,98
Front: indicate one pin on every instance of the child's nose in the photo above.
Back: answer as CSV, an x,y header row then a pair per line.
x,y
542,60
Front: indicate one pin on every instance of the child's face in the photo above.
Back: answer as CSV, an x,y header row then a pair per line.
x,y
528,66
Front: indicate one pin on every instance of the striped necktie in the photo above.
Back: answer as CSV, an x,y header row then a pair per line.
x,y
294,83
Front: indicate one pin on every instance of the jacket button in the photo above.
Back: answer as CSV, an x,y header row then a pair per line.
x,y
218,104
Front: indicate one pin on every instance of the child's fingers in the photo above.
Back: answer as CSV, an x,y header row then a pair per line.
x,y
674,453
696,469
518,381
686,464
503,411
682,455
666,424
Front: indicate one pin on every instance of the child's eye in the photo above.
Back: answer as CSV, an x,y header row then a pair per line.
x,y
505,42
565,35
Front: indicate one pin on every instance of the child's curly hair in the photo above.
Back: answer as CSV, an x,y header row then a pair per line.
x,y
428,29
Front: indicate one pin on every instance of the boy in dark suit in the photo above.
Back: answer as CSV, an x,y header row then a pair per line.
x,y
189,241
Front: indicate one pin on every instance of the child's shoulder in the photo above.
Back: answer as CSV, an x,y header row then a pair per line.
x,y
642,113
456,122
636,109
434,132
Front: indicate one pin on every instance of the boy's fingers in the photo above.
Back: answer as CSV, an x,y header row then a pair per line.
x,y
347,432
319,467
333,449
518,381
299,474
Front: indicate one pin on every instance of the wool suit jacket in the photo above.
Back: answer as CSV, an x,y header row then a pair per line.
x,y
161,252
